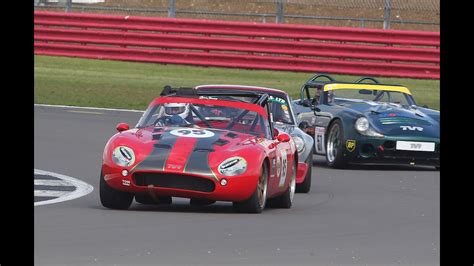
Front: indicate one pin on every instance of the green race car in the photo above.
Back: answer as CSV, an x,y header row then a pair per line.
x,y
367,122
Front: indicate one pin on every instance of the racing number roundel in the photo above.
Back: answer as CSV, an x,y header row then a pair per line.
x,y
283,168
192,133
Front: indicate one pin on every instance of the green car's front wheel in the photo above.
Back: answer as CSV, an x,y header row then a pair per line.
x,y
335,146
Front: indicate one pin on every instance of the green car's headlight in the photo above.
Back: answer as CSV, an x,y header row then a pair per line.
x,y
233,166
123,156
299,143
362,125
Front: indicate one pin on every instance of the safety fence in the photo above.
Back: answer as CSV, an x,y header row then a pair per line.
x,y
338,50
387,14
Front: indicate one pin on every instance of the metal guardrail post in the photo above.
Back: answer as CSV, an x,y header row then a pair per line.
x,y
68,5
171,8
279,11
386,14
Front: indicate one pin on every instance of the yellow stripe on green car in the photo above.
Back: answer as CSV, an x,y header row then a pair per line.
x,y
340,86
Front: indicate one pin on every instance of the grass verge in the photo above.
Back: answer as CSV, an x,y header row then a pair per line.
x,y
116,84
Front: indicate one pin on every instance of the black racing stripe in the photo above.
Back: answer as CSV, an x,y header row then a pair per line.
x,y
41,198
198,161
161,150
55,188
162,146
45,177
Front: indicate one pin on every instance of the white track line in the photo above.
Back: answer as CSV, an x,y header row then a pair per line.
x,y
82,188
50,193
85,112
88,108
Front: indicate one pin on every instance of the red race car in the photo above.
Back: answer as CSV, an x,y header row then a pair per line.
x,y
192,146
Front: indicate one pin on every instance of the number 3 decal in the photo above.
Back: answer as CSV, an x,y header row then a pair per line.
x,y
284,168
192,133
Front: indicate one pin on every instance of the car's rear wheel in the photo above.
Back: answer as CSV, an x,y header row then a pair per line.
x,y
286,200
335,146
147,199
256,202
113,199
305,187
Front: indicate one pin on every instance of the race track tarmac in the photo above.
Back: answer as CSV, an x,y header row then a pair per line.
x,y
363,216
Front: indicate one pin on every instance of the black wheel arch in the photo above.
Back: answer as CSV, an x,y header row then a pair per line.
x,y
333,120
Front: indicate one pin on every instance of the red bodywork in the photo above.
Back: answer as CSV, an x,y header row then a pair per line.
x,y
255,150
301,172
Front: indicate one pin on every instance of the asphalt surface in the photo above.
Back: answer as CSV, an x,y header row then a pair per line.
x,y
363,216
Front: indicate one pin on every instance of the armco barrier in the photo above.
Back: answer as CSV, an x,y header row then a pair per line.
x,y
238,44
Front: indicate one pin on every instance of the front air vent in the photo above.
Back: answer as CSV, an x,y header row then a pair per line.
x,y
157,136
231,135
403,120
178,181
221,142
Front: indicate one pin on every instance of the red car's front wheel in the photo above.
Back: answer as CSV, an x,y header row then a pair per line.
x,y
113,199
256,202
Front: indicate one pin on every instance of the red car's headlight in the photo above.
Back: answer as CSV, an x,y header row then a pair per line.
x,y
123,156
233,166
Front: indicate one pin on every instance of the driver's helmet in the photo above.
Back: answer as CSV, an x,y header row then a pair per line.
x,y
330,96
317,95
180,109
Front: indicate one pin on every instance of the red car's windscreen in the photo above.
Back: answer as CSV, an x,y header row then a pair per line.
x,y
206,113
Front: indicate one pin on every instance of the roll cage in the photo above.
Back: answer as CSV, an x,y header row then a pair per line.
x,y
319,81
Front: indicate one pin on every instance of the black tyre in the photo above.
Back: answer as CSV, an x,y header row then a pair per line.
x,y
256,202
335,146
286,200
113,199
305,187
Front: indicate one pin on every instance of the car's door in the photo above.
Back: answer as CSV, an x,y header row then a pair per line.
x,y
278,154
322,117
284,151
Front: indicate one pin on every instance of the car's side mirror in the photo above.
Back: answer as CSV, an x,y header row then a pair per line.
x,y
122,127
425,106
283,137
